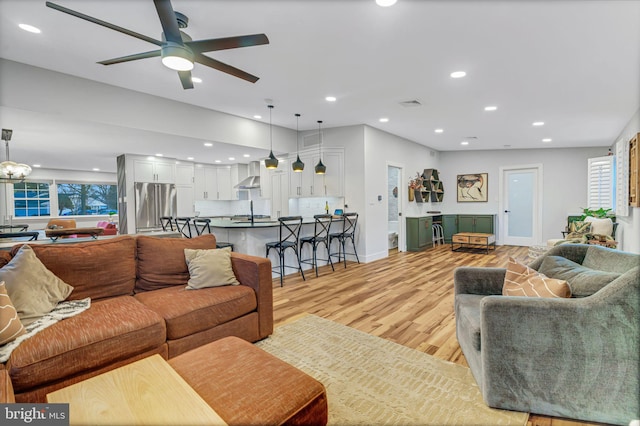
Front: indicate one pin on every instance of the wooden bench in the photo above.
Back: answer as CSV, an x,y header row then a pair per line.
x,y
472,241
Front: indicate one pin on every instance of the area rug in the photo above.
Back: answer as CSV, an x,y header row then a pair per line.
x,y
373,381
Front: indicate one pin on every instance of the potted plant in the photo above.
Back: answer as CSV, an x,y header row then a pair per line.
x,y
598,213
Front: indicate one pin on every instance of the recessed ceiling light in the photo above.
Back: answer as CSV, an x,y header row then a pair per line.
x,y
30,28
490,108
458,74
330,99
95,169
232,158
384,120
196,79
439,130
464,143
189,158
208,144
218,161
158,155
257,117
386,3
538,123
546,140
246,155
36,165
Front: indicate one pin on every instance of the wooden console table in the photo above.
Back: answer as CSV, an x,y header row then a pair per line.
x,y
473,240
146,392
54,234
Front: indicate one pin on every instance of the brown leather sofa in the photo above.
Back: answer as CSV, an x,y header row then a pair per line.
x,y
139,307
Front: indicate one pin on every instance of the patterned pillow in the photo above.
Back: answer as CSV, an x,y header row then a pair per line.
x,y
579,227
10,325
521,280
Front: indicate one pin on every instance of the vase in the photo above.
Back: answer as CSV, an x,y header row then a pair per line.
x,y
411,194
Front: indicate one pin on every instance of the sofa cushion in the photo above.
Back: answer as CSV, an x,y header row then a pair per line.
x,y
520,280
209,268
95,269
187,312
468,317
34,290
111,330
582,280
161,261
10,325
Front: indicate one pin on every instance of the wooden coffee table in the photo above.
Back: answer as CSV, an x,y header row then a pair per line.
x,y
473,240
146,392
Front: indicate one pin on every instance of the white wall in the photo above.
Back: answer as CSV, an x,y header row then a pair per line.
x,y
564,181
380,150
628,232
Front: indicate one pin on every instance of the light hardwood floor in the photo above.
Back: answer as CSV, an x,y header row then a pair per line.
x,y
406,298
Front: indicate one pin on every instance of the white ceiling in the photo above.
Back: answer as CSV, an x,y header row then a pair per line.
x,y
574,65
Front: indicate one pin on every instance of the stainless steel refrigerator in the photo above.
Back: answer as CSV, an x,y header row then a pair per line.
x,y
154,200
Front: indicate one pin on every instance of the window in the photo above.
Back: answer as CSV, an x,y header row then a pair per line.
x,y
600,185
31,199
86,199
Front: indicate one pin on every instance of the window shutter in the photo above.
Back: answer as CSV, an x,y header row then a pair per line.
x,y
601,182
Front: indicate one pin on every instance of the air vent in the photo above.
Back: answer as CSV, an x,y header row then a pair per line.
x,y
471,137
411,103
311,140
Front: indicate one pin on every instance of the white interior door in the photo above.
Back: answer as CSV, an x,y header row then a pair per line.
x,y
520,200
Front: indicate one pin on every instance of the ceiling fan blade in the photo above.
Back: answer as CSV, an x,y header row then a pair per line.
x,y
103,23
205,60
227,43
134,57
185,79
168,20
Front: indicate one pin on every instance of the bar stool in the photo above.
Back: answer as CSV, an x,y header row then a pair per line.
x,y
438,234
166,222
349,222
320,236
288,233
203,224
183,225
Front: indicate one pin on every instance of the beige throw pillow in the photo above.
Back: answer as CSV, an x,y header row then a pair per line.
x,y
209,268
10,325
602,226
521,280
33,289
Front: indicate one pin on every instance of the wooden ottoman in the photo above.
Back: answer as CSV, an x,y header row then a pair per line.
x,y
246,385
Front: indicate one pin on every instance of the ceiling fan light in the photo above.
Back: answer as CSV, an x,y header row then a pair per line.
x,y
177,57
271,162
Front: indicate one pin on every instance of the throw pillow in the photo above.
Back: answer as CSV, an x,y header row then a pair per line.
x,y
581,227
33,289
583,281
209,268
600,226
520,280
10,325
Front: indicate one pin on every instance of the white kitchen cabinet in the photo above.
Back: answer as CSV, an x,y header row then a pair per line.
x,y
212,183
158,171
309,184
265,181
334,178
238,173
184,174
185,200
279,183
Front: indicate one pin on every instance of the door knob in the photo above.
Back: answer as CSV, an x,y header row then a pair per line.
x,y
507,211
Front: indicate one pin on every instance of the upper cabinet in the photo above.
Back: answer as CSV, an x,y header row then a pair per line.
x,y
184,174
213,183
160,171
309,184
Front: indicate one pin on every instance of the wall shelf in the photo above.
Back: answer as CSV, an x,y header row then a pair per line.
x,y
433,189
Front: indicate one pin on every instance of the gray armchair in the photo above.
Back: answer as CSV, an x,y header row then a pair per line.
x,y
575,358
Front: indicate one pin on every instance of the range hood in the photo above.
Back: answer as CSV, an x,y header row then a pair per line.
x,y
253,180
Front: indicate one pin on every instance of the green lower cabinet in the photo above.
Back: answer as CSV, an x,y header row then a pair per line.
x,y
454,223
449,226
419,233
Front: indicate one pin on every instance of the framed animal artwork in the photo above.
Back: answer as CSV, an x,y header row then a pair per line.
x,y
473,187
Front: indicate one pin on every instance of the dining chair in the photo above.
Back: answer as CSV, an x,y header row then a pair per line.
x,y
321,228
288,238
349,223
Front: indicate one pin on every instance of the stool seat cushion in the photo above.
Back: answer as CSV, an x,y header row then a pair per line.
x,y
248,386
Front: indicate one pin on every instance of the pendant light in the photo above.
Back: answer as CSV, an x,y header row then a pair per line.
x,y
320,168
272,161
297,165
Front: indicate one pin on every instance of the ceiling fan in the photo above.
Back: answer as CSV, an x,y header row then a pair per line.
x,y
177,50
